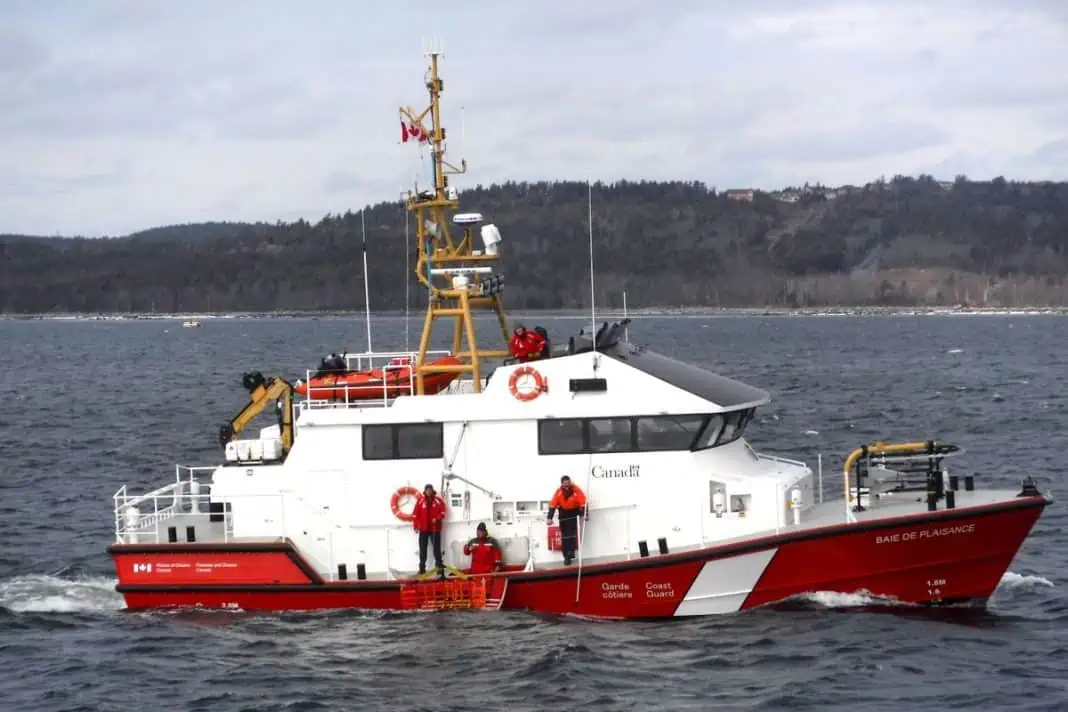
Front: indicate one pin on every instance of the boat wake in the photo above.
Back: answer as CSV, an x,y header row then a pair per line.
x,y
1010,582
833,599
41,593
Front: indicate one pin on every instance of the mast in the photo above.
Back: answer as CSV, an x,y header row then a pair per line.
x,y
366,281
459,278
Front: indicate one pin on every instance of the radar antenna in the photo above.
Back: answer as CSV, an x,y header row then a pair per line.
x,y
458,277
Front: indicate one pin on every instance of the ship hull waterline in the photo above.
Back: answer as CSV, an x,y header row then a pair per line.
x,y
934,558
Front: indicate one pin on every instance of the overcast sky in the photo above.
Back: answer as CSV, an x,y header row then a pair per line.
x,y
118,115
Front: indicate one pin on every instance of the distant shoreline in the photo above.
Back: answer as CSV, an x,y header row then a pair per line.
x,y
607,314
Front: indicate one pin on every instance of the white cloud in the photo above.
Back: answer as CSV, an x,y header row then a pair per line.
x,y
121,115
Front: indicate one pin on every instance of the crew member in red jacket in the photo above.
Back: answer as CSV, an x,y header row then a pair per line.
x,y
518,345
427,517
484,551
526,344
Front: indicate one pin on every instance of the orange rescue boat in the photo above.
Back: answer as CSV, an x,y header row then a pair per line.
x,y
395,379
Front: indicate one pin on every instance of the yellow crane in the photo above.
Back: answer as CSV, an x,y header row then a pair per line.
x,y
262,391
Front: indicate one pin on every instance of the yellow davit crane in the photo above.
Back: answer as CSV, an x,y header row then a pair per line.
x,y
262,391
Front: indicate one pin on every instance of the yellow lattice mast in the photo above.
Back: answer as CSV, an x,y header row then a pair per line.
x,y
458,277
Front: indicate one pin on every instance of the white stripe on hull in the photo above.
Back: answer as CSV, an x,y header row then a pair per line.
x,y
723,584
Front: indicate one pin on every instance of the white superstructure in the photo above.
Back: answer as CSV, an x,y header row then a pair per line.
x,y
656,445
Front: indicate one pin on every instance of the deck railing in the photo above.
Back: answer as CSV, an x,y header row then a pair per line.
x,y
136,513
398,379
138,516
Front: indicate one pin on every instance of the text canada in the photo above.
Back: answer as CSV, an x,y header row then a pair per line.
x,y
607,473
920,534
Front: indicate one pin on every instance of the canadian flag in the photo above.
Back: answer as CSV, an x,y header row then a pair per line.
x,y
412,130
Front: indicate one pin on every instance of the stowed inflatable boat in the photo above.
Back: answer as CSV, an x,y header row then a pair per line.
x,y
682,516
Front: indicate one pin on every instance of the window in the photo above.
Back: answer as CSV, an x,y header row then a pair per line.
x,y
611,435
422,440
740,503
708,436
408,441
734,426
577,436
378,442
668,432
561,437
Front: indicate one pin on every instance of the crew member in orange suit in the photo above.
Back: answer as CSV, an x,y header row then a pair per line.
x,y
484,551
571,501
427,517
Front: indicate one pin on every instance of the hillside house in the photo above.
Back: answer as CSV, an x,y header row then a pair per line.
x,y
745,195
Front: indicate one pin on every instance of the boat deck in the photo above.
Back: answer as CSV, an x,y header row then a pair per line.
x,y
175,515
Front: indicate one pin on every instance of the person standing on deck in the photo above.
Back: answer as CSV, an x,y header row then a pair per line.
x,y
484,551
571,501
427,517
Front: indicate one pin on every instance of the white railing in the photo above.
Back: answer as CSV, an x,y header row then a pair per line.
x,y
135,513
782,460
138,517
128,516
396,377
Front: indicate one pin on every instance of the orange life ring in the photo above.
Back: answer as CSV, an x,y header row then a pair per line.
x,y
527,395
394,503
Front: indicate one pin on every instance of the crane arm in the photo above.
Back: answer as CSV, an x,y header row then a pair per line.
x,y
261,392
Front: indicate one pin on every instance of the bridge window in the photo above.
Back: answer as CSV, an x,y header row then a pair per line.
x,y
561,437
710,433
611,435
723,429
669,432
403,441
734,426
654,433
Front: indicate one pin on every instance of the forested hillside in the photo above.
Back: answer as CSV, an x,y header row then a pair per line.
x,y
899,242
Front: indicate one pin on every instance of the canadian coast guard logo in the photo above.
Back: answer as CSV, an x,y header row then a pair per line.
x,y
142,568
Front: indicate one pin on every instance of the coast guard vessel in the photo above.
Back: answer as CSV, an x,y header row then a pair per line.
x,y
684,517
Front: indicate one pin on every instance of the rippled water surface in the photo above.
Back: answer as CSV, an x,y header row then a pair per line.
x,y
91,405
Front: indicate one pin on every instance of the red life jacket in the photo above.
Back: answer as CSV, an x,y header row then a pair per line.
x,y
485,555
519,346
428,518
535,343
527,346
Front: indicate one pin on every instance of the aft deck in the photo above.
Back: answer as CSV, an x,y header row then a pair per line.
x,y
179,512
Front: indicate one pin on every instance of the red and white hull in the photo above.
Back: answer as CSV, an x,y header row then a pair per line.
x,y
929,558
